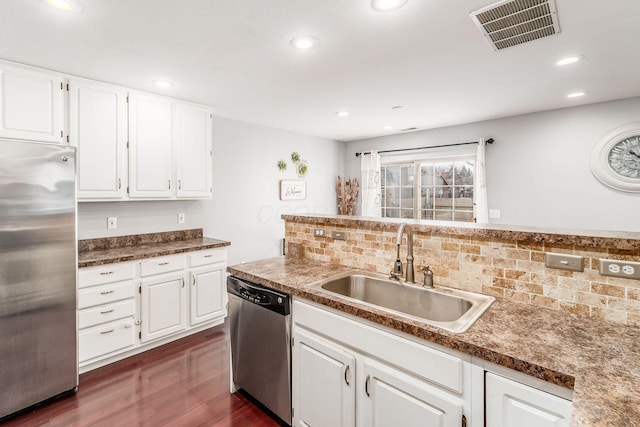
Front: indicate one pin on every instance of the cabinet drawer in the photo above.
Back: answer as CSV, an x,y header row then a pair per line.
x,y
108,274
98,295
106,339
197,259
105,313
162,265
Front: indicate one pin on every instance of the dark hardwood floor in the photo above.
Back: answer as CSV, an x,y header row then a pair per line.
x,y
184,383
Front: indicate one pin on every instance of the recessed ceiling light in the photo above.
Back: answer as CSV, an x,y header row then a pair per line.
x,y
569,60
387,127
342,113
387,5
64,5
162,83
576,94
304,42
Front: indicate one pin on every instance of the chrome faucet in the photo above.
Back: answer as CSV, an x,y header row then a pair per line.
x,y
396,273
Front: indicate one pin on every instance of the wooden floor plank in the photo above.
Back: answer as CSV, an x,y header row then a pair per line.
x,y
184,383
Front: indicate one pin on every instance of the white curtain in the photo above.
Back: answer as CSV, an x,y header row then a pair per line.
x,y
370,184
481,205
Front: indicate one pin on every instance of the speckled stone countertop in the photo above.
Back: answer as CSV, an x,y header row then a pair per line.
x,y
92,252
598,360
624,240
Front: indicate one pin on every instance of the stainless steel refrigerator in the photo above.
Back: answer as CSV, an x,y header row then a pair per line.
x,y
38,259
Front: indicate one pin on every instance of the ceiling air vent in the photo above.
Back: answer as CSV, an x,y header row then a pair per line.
x,y
513,22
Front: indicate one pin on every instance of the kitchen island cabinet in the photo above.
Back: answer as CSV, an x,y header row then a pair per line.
x,y
536,346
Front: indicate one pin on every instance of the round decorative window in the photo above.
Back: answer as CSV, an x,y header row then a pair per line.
x,y
615,158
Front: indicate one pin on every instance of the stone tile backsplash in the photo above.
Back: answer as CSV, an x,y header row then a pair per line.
x,y
492,264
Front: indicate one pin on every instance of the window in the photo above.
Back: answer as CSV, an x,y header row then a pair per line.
x,y
444,189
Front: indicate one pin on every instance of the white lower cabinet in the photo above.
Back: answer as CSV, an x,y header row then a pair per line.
x,y
323,382
350,372
126,308
512,404
162,306
363,376
394,398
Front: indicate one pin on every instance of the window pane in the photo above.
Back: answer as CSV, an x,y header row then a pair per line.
x,y
392,197
464,173
406,175
427,215
391,175
427,198
407,197
393,213
406,213
444,173
443,215
463,216
426,175
464,198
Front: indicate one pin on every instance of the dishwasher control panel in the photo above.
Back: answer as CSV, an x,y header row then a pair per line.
x,y
257,294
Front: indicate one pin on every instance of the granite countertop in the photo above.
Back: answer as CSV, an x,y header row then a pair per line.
x,y
93,252
597,359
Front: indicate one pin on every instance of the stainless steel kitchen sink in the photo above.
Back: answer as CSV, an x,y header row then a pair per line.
x,y
446,308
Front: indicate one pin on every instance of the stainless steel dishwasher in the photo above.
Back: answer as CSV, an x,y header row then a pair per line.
x,y
260,329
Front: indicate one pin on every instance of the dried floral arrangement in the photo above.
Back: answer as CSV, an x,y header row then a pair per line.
x,y
347,193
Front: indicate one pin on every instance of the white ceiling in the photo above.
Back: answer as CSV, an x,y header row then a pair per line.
x,y
428,57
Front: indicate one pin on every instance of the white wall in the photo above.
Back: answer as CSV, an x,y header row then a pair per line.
x,y
538,168
245,208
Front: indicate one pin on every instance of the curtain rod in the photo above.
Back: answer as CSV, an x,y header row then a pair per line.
x,y
488,141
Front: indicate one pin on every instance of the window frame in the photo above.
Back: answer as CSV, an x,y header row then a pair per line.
x,y
417,162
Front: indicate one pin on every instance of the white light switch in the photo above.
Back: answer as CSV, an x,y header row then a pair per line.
x,y
112,223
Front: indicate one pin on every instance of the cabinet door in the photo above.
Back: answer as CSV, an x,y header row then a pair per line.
x,y
323,382
98,127
150,146
31,104
162,307
192,124
511,404
207,294
393,398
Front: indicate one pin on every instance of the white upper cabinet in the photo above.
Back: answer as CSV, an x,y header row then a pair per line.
x,y
150,146
98,127
31,104
192,127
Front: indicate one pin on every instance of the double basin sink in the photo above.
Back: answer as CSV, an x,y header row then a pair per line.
x,y
450,309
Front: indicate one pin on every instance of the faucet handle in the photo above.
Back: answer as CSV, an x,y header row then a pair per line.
x,y
428,276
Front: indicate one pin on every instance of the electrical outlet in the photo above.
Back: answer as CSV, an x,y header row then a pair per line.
x,y
619,268
182,218
319,232
494,213
112,223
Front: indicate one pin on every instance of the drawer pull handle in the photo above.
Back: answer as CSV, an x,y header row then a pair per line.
x,y
366,385
179,184
194,281
208,256
106,292
182,278
106,332
346,374
107,311
106,273
163,263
